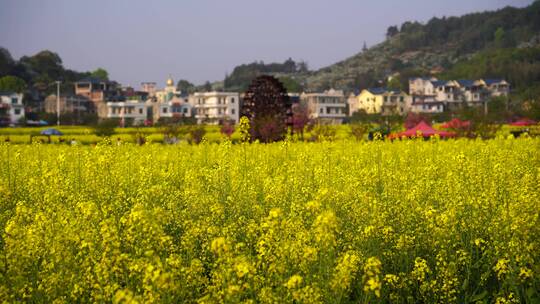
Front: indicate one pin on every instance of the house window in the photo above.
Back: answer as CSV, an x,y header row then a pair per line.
x,y
13,100
164,110
140,111
327,110
17,111
232,100
322,110
185,110
385,98
233,111
401,99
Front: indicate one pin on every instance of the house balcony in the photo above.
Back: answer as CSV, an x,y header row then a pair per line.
x,y
207,106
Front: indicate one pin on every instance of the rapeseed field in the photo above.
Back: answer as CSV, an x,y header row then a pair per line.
x,y
333,222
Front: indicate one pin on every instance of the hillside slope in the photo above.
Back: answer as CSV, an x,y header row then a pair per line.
x,y
417,48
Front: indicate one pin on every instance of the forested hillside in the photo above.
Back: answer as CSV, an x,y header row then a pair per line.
x,y
420,49
242,75
39,72
520,66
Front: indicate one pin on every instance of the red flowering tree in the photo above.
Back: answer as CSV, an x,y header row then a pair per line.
x,y
414,119
300,118
267,106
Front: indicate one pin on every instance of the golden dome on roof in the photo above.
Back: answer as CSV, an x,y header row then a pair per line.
x,y
170,82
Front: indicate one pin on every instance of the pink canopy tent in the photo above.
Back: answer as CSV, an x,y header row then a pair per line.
x,y
523,122
424,130
456,123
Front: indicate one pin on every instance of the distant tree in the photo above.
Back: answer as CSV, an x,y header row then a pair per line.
x,y
207,87
392,31
106,127
415,118
366,80
499,110
227,128
6,62
300,118
185,86
12,84
364,47
394,84
500,37
303,67
359,130
289,66
46,64
267,106
323,132
395,64
196,134
100,73
291,85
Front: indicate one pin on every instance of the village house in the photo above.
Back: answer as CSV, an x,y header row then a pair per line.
x,y
167,103
69,104
381,101
328,107
133,111
473,91
100,92
497,87
149,87
216,107
430,95
96,90
176,107
11,108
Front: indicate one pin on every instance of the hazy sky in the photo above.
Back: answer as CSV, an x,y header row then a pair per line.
x,y
201,40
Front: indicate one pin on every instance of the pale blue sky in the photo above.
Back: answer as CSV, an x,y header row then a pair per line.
x,y
201,40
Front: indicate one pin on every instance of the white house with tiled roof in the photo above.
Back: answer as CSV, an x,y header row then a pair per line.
x,y
382,100
430,95
215,107
329,106
11,107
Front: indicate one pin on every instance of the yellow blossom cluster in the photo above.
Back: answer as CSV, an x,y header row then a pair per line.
x,y
332,222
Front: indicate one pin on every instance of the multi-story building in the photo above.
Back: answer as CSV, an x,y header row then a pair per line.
x,y
69,104
11,108
176,107
497,87
382,101
96,90
329,106
100,92
216,107
149,87
422,86
422,104
134,110
473,91
434,96
167,103
167,93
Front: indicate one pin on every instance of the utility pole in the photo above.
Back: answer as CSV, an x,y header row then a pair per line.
x,y
57,103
